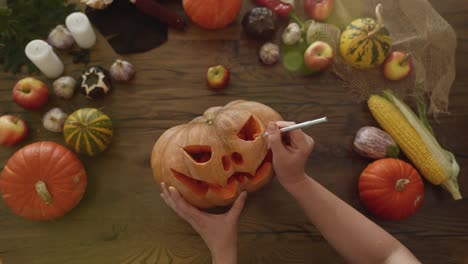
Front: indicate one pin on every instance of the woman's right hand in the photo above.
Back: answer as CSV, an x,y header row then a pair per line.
x,y
289,158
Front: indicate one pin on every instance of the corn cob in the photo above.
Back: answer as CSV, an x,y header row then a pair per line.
x,y
437,165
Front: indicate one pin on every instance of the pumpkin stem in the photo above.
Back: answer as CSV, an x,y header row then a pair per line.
x,y
42,191
378,14
393,151
400,184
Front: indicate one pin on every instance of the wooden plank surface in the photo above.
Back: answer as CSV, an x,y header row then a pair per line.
x,y
122,218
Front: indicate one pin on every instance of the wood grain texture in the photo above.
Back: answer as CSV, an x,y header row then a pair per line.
x,y
122,218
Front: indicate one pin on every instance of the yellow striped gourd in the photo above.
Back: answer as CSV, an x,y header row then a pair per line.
x,y
437,165
88,131
365,43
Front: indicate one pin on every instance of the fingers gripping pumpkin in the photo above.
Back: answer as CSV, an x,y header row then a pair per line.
x,y
43,181
215,156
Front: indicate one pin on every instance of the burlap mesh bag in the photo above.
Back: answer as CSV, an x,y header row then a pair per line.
x,y
415,27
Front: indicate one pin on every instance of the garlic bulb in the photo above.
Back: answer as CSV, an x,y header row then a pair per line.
x,y
269,53
122,71
292,34
97,4
61,38
64,87
54,120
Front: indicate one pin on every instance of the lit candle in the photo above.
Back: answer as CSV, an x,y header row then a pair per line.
x,y
42,55
81,30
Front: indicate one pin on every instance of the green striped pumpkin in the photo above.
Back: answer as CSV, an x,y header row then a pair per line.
x,y
365,43
88,131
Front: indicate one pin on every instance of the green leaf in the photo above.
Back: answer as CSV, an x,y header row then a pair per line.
x,y
393,152
422,112
296,19
26,20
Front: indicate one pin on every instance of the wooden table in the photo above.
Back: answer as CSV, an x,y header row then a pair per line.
x,y
122,219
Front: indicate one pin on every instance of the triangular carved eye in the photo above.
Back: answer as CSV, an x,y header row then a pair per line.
x,y
251,130
199,153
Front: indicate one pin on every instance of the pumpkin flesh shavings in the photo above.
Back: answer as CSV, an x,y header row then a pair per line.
x,y
445,158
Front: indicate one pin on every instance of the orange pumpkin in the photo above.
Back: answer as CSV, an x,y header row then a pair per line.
x,y
215,156
212,14
392,189
43,181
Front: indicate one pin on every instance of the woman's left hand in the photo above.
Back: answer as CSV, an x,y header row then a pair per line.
x,y
219,231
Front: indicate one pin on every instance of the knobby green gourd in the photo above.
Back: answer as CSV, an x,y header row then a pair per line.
x,y
365,43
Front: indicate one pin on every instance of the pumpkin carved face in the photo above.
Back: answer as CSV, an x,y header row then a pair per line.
x,y
43,181
214,157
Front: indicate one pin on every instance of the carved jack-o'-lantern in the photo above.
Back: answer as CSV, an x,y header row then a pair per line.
x,y
214,157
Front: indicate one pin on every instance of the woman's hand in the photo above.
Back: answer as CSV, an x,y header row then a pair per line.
x,y
289,158
219,231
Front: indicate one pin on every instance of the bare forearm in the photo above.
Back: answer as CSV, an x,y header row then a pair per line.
x,y
354,236
224,256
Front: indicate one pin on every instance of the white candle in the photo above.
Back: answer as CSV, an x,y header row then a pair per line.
x,y
81,30
42,55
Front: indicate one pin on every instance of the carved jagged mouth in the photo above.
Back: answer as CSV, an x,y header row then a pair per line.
x,y
201,188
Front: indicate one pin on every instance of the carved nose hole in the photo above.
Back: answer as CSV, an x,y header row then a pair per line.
x,y
237,158
199,154
226,163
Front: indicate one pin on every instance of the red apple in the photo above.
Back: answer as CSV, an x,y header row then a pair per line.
x,y
12,130
319,56
30,93
218,77
318,9
397,66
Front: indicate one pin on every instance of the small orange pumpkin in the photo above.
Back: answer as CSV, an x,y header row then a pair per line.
x,y
215,156
392,189
43,181
212,14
